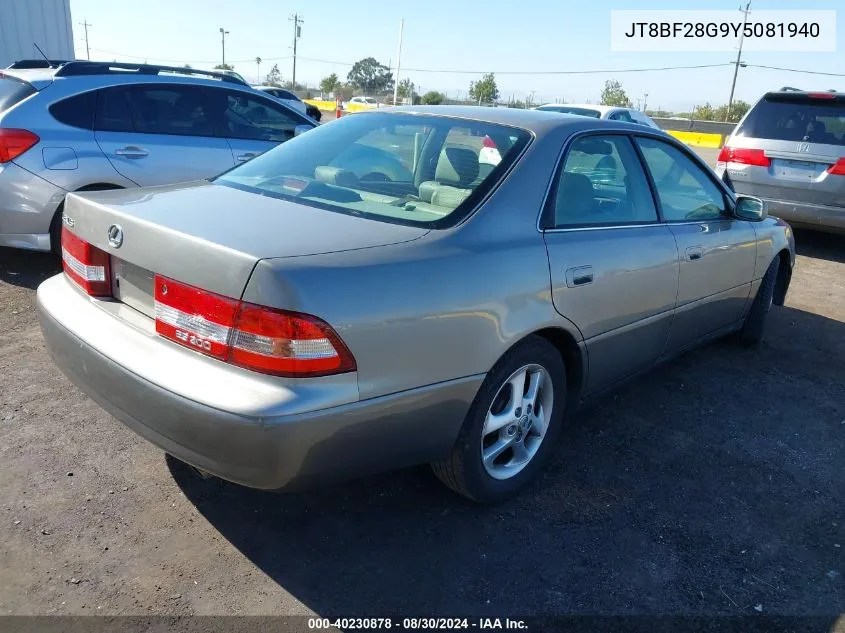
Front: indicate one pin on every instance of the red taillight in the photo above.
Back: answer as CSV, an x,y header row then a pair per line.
x,y
196,318
86,265
838,168
821,95
248,335
743,156
14,142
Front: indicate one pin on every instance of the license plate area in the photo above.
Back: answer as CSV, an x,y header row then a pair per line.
x,y
133,286
801,171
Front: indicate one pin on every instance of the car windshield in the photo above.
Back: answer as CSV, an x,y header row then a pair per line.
x,y
568,110
411,169
799,118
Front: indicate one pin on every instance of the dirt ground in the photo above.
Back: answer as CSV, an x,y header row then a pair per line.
x,y
713,486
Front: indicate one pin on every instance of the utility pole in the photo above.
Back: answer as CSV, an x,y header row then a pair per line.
x,y
297,32
86,24
223,35
258,68
399,64
645,102
738,57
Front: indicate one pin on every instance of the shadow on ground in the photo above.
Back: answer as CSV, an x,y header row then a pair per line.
x,y
713,486
27,269
820,245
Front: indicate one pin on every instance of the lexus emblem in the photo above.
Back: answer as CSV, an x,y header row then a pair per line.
x,y
115,236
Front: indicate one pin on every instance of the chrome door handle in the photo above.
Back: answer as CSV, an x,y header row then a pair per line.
x,y
247,156
580,276
694,253
131,151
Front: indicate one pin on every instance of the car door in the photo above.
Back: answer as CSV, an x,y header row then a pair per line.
x,y
613,264
252,124
717,250
159,133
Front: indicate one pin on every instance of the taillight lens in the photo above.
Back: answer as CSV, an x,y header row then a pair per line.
x,y
838,168
251,336
14,142
743,156
86,265
195,318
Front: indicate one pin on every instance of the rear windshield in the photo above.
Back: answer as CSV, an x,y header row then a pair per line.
x,y
12,91
797,118
566,110
427,171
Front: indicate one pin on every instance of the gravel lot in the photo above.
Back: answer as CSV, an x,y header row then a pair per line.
x,y
712,486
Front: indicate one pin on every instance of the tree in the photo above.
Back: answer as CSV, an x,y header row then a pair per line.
x,y
186,66
738,110
274,77
370,76
614,95
330,83
406,89
224,67
433,97
485,89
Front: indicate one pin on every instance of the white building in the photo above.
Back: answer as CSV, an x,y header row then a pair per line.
x,y
43,22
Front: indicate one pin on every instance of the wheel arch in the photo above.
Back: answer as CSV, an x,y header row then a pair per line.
x,y
784,277
574,359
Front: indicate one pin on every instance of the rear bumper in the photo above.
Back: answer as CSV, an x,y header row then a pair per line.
x,y
801,214
284,447
27,205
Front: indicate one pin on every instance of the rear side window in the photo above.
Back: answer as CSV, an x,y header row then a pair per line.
x,y
13,91
798,118
76,111
602,184
622,115
175,110
114,110
566,110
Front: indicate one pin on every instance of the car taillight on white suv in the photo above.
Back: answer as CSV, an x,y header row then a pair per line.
x,y
743,156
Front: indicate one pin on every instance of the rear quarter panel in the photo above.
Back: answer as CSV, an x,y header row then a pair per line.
x,y
773,236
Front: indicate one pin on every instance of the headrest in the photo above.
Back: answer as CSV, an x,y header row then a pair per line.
x,y
457,166
336,176
575,197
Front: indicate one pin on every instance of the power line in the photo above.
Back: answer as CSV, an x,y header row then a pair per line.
x,y
192,61
796,70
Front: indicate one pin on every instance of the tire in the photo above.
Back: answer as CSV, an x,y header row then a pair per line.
x,y
56,231
464,471
751,333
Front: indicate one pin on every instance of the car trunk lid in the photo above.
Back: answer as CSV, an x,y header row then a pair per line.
x,y
209,236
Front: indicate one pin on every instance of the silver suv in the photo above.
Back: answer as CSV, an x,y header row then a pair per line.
x,y
82,126
789,149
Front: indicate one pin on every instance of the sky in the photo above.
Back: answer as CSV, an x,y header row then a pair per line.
x,y
447,35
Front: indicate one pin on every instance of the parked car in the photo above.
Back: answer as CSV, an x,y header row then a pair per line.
x,y
362,103
83,126
290,99
613,113
292,322
789,150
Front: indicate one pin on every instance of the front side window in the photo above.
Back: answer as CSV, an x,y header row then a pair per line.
x,y
410,169
602,184
253,118
685,191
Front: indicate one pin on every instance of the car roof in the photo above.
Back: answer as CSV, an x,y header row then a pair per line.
x,y
538,122
604,109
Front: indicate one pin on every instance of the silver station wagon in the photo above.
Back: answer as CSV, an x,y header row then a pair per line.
x,y
372,294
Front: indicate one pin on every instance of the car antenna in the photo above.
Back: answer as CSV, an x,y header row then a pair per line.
x,y
49,63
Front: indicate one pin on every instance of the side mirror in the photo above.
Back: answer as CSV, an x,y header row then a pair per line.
x,y
302,129
750,208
